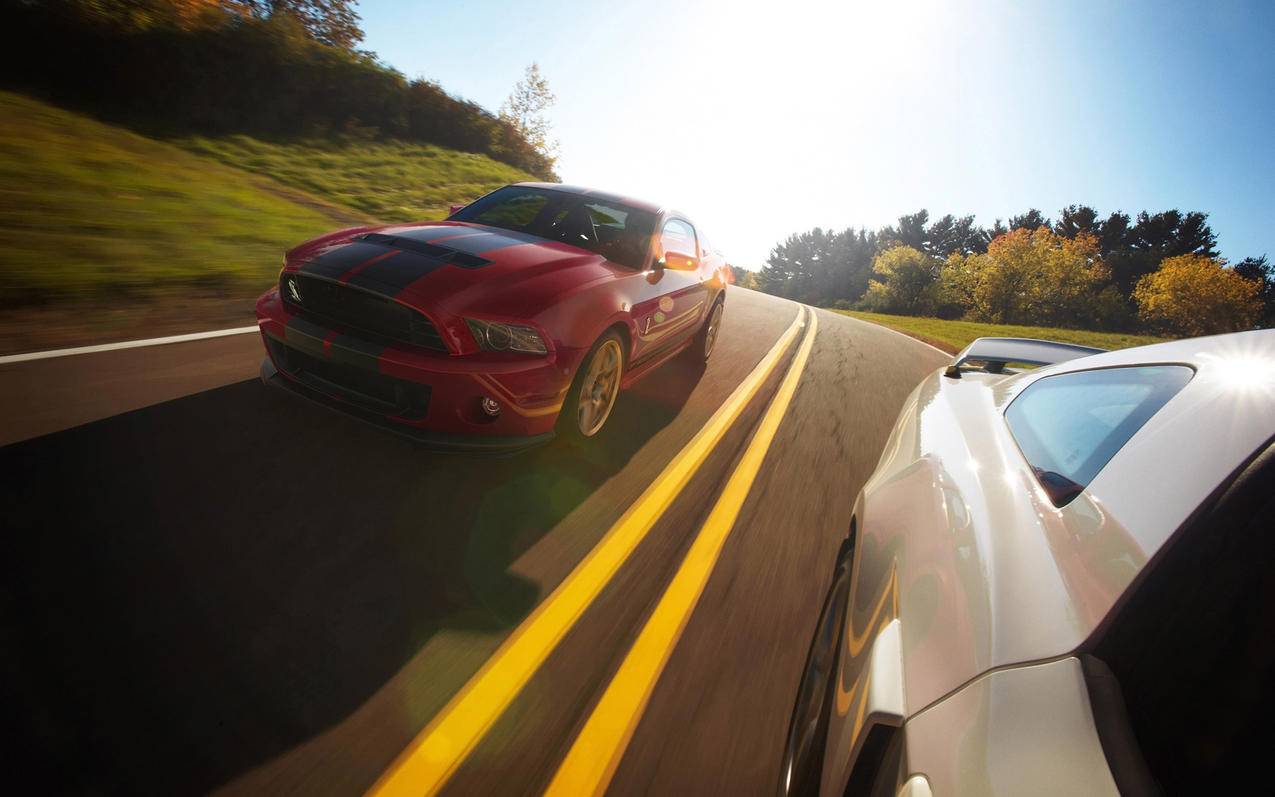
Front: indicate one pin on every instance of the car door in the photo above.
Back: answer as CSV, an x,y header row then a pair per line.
x,y
675,307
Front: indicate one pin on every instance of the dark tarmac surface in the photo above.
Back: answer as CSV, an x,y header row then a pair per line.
x,y
211,585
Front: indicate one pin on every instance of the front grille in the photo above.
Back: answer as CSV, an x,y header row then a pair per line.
x,y
376,317
367,389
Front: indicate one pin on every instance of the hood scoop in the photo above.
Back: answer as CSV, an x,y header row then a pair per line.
x,y
443,254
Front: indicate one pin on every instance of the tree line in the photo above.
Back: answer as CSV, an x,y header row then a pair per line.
x,y
267,68
1158,272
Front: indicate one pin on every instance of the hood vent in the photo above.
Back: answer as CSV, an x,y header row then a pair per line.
x,y
445,254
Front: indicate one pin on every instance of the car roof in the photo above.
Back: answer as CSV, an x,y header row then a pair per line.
x,y
640,204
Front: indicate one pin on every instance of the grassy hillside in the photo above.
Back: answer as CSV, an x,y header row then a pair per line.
x,y
88,210
953,336
392,181
106,234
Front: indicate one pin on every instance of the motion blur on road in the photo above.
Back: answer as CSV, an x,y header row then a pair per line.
x,y
212,585
183,617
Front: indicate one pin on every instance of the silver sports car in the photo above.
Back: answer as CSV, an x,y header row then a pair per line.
x,y
1057,581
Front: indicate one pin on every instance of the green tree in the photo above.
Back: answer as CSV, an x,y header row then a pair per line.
x,y
1261,272
230,67
952,235
905,282
1031,220
139,15
1154,237
332,22
910,231
820,266
941,238
1076,219
525,110
1197,295
791,269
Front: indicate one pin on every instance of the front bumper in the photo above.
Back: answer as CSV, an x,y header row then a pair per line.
x,y
435,441
431,397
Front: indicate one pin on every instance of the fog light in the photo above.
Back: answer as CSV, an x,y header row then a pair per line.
x,y
490,406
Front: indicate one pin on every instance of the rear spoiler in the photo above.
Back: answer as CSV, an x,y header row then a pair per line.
x,y
994,354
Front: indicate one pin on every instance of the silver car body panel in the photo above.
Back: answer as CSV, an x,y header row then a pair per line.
x,y
1026,730
960,546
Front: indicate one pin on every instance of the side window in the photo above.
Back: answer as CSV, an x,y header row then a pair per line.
x,y
705,247
622,234
1069,426
677,236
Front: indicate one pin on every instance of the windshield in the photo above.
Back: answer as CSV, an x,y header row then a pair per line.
x,y
618,232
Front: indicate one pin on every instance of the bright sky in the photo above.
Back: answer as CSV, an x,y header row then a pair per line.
x,y
764,119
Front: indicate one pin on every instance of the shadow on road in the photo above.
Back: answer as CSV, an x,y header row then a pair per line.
x,y
193,588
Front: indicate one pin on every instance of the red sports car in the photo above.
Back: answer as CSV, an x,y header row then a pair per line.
x,y
521,315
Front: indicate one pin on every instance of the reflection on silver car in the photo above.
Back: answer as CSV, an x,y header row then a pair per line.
x,y
1057,581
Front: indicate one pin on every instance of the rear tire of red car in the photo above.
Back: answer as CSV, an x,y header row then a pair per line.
x,y
706,338
592,394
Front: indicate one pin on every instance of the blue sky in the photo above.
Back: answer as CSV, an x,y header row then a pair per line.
x,y
765,119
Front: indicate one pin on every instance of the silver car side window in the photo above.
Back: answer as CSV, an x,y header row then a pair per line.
x,y
1070,425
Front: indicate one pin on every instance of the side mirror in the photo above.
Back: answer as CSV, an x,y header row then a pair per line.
x,y
455,209
679,261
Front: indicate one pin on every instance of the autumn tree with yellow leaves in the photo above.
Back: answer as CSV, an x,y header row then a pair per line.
x,y
1032,276
1195,295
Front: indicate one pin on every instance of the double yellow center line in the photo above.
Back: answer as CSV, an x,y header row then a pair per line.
x,y
436,753
592,760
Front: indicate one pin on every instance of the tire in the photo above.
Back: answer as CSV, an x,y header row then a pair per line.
x,y
706,337
593,392
802,764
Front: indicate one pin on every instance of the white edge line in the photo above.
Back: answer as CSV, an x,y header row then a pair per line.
x,y
127,344
895,331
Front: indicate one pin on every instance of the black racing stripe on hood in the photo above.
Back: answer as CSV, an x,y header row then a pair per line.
x,y
440,252
423,234
478,244
486,241
393,274
333,263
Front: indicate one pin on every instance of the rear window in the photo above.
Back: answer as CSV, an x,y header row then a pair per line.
x,y
1069,426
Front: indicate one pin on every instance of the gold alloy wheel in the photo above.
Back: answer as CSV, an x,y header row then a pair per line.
x,y
710,334
599,388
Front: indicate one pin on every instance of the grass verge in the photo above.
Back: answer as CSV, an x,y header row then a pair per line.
x,y
391,181
952,336
109,235
89,211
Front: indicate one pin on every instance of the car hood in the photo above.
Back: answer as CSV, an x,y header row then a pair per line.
x,y
453,267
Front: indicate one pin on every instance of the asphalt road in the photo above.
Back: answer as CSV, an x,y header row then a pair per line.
x,y
210,586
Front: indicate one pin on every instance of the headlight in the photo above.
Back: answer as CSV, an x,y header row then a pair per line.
x,y
495,336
